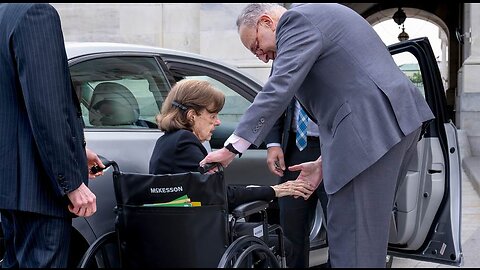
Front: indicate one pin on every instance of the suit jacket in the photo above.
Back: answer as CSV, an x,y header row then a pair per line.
x,y
181,151
336,65
41,138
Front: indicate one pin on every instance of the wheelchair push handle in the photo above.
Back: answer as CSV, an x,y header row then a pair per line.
x,y
208,166
95,169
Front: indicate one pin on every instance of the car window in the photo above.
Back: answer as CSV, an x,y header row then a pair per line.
x,y
408,63
120,92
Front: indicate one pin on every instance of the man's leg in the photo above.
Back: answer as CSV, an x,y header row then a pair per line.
x,y
359,213
9,258
294,217
39,241
295,213
323,198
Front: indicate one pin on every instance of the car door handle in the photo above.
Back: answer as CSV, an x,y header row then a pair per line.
x,y
432,171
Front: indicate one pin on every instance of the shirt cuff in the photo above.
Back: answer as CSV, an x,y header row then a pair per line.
x,y
273,144
239,143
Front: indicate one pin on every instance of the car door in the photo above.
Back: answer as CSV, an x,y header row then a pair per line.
x,y
425,221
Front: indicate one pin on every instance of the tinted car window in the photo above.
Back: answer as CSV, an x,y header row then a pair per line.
x,y
120,92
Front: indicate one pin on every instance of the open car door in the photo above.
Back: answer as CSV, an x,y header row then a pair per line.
x,y
425,220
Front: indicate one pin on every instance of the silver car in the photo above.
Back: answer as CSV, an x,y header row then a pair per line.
x,y
122,86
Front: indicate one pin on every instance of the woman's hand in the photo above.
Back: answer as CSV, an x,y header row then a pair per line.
x,y
294,188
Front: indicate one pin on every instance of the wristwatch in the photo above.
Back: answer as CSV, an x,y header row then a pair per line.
x,y
232,149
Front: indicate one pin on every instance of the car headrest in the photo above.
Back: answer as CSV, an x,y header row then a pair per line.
x,y
112,104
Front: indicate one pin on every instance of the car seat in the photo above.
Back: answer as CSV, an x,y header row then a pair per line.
x,y
112,104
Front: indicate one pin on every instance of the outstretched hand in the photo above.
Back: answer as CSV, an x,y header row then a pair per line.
x,y
309,171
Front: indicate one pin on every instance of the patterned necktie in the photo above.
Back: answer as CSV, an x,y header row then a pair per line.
x,y
301,135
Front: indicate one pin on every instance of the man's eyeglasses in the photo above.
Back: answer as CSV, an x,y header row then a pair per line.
x,y
256,45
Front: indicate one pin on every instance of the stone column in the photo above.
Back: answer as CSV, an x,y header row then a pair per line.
x,y
443,63
468,111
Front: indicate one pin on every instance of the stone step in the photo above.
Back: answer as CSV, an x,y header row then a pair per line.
x,y
471,166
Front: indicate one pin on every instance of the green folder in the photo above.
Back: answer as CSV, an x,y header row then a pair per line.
x,y
182,201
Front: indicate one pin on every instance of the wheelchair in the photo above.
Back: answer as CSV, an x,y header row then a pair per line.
x,y
151,232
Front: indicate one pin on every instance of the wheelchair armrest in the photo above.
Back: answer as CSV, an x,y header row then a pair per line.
x,y
249,208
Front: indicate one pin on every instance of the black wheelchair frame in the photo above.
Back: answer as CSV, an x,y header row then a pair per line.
x,y
130,244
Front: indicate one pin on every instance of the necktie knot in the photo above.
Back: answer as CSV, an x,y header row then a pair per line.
x,y
302,124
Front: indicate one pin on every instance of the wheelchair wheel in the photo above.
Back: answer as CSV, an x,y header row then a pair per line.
x,y
248,252
103,253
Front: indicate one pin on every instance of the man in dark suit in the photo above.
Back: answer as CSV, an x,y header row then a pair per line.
x,y
44,166
369,116
296,214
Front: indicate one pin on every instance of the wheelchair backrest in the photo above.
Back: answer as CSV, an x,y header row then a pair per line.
x,y
152,234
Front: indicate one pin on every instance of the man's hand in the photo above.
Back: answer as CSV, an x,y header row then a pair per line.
x,y
222,156
275,160
83,202
93,160
310,172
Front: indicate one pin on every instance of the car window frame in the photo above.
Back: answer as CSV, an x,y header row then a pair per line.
x,y
161,66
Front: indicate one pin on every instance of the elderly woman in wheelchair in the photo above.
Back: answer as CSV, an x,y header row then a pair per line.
x,y
189,116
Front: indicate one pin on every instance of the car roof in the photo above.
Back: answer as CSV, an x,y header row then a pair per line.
x,y
79,49
76,49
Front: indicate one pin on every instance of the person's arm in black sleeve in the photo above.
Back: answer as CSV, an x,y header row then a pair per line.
x,y
237,195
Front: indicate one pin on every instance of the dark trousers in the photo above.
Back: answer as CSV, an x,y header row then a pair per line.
x,y
35,241
296,214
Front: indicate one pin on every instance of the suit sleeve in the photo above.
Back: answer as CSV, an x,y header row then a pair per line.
x,y
275,134
46,88
299,44
237,195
